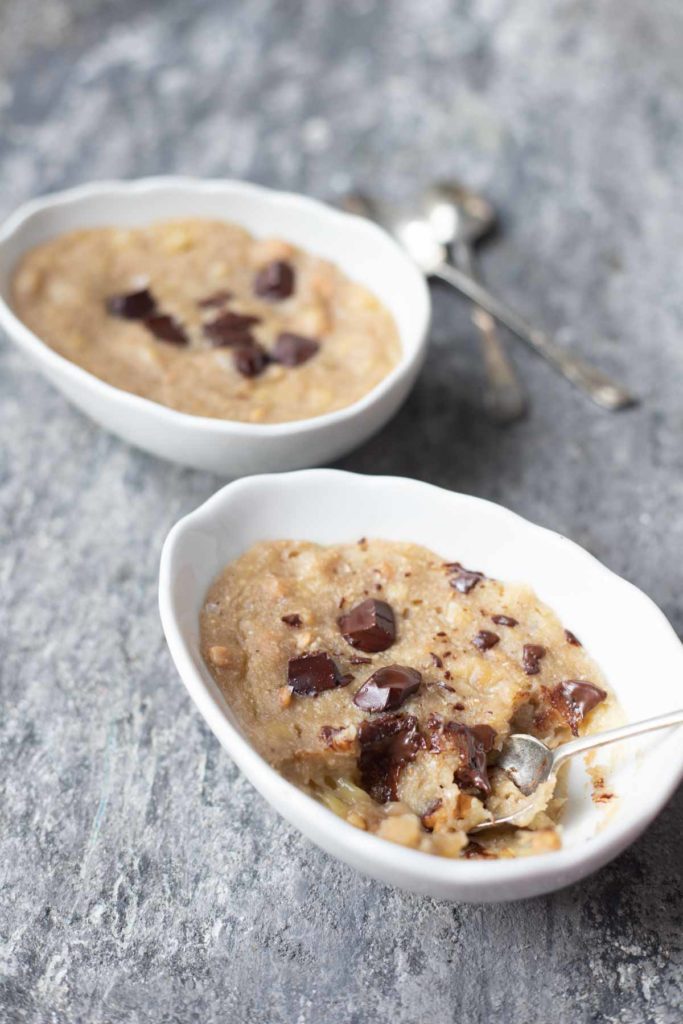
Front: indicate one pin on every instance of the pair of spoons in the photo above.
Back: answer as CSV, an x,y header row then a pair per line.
x,y
449,216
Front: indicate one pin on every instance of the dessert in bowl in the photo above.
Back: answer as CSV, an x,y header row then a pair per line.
x,y
383,681
218,324
406,526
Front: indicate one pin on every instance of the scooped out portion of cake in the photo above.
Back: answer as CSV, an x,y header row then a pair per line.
x,y
383,681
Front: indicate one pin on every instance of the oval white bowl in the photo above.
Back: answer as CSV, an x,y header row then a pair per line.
x,y
363,251
620,626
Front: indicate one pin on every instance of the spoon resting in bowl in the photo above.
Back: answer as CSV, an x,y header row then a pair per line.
x,y
529,762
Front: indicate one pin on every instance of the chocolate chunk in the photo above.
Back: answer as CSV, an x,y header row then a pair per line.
x,y
573,699
485,640
470,744
230,329
250,360
571,639
292,620
294,349
463,579
134,306
388,688
370,626
387,744
504,620
166,328
275,280
356,660
215,300
310,674
532,654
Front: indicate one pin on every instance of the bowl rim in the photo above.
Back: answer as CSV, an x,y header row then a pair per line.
x,y
34,345
549,870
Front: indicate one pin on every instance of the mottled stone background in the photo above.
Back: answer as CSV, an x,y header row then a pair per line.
x,y
141,879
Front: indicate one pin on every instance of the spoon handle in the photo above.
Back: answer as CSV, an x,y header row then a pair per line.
x,y
504,396
585,743
597,385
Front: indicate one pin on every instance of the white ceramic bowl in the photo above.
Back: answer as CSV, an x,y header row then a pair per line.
x,y
362,250
620,626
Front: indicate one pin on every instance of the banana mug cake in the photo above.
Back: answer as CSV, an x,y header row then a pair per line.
x,y
383,682
202,317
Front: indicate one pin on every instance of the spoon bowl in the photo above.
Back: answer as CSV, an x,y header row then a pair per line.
x,y
455,211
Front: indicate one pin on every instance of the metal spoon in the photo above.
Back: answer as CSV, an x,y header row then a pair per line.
x,y
529,762
460,219
416,235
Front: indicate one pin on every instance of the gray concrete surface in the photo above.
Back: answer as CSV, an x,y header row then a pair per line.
x,y
141,879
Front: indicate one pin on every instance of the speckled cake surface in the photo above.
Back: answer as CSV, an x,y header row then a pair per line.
x,y
141,878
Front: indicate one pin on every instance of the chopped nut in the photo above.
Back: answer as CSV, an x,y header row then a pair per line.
x,y
178,240
321,281
360,298
403,829
312,320
274,586
321,396
304,640
222,657
120,238
218,271
63,293
77,341
340,739
284,696
357,819
28,281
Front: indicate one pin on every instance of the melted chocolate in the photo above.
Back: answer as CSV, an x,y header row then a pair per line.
x,y
470,744
573,699
387,744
